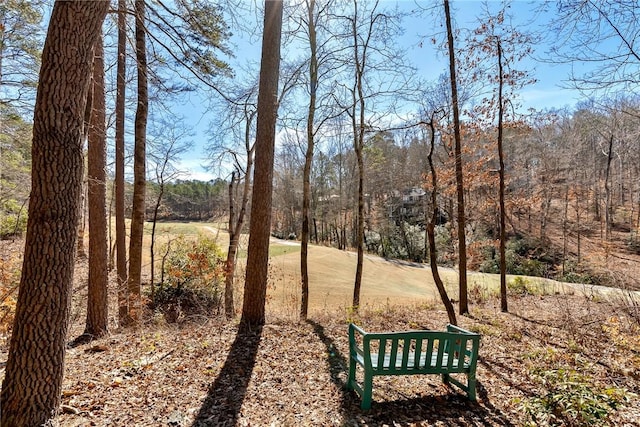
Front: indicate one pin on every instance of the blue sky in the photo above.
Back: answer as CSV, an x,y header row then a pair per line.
x,y
547,92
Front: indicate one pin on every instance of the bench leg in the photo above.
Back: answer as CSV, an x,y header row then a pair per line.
x,y
471,389
367,391
352,374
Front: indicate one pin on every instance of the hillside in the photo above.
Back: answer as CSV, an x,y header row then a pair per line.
x,y
614,261
199,372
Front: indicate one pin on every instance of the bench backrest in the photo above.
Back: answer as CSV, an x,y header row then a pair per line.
x,y
454,350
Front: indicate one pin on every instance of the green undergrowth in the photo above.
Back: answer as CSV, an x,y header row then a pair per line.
x,y
570,398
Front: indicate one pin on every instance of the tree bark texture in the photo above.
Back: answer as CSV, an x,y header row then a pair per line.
x,y
139,169
97,299
253,308
31,389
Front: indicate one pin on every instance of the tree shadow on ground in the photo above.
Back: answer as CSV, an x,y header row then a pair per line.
x,y
336,361
451,409
225,396
80,340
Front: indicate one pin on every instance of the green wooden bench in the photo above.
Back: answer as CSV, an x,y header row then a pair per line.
x,y
409,353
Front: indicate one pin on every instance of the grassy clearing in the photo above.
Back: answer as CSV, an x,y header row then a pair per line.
x,y
332,272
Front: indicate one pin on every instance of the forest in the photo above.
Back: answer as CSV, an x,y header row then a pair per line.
x,y
349,185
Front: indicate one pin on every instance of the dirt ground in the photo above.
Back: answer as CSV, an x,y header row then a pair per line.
x,y
202,373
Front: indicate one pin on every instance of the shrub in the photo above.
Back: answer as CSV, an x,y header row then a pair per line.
x,y
633,243
571,399
193,279
13,221
519,286
489,266
573,273
445,245
522,256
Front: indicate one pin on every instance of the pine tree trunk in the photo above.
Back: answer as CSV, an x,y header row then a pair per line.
x,y
255,292
97,300
139,170
121,243
31,389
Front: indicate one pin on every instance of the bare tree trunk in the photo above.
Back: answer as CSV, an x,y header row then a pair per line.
x,y
110,235
545,206
139,170
358,125
152,248
607,192
578,227
308,160
503,214
315,229
235,231
230,262
236,224
433,254
82,210
97,300
565,229
82,205
462,243
253,308
359,232
32,386
121,245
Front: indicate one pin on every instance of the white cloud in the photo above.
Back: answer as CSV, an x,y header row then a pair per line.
x,y
193,169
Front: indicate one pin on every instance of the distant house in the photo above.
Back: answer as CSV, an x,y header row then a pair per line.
x,y
408,205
